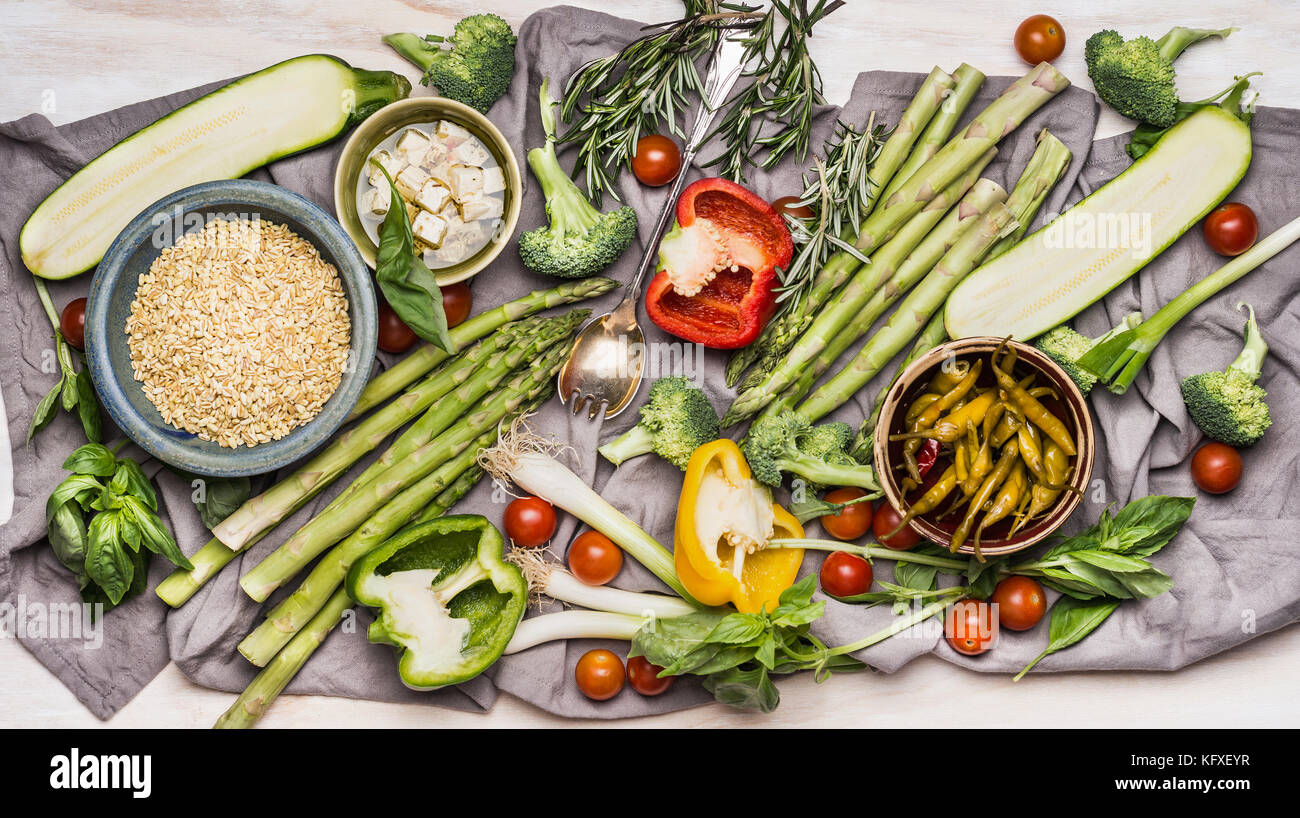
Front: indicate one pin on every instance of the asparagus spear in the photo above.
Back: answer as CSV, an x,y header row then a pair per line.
x,y
960,220
426,357
1001,117
1041,174
252,703
428,493
915,310
869,279
967,81
338,520
782,332
264,511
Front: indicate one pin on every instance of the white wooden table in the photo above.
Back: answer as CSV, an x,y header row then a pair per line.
x,y
69,60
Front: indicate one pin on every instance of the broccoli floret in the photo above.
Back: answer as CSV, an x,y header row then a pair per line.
x,y
475,64
580,240
675,421
816,454
1229,406
1136,77
1066,347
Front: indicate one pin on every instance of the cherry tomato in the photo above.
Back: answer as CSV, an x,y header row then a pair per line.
x,y
600,674
456,303
850,522
394,334
594,559
790,206
530,521
1216,468
1021,603
886,520
970,627
1231,229
656,161
644,677
845,574
72,323
1039,39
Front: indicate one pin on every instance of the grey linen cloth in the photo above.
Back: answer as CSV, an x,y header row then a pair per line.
x,y
141,636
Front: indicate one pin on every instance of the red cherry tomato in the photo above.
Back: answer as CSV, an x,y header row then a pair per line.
x,y
72,323
850,522
886,520
656,161
1216,468
530,521
600,675
791,206
456,303
1021,603
845,574
594,559
1231,229
1039,39
394,335
644,677
970,627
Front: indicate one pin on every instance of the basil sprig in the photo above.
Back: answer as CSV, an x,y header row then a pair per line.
x,y
738,653
74,391
109,553
408,284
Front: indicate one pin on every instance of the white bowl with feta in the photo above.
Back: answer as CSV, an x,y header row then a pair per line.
x,y
457,177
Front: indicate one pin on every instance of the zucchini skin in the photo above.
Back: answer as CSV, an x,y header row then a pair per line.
x,y
368,91
961,319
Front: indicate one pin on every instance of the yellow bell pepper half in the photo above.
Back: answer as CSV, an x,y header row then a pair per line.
x,y
720,497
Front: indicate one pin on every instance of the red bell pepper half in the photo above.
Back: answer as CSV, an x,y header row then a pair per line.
x,y
718,266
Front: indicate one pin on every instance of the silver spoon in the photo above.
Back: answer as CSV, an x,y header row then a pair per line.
x,y
605,364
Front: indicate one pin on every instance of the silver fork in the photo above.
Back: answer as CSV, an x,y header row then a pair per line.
x,y
604,367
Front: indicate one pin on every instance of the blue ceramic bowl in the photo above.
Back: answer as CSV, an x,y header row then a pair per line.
x,y
113,288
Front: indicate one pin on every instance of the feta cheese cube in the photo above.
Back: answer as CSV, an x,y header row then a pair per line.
x,y
376,201
433,196
494,180
429,228
438,156
451,133
466,182
471,152
482,207
410,181
413,144
390,163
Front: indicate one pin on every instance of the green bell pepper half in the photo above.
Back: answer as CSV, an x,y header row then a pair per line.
x,y
446,598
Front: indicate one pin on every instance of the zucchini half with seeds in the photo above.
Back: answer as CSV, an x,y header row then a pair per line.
x,y
281,110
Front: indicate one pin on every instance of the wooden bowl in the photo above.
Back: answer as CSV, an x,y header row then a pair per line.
x,y
1072,408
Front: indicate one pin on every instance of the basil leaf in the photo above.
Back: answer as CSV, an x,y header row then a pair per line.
x,y
75,487
766,653
107,562
88,407
92,593
746,689
1110,561
155,537
1073,619
1163,516
664,641
221,497
737,628
130,479
92,458
68,540
799,594
68,390
1146,584
46,409
408,284
725,658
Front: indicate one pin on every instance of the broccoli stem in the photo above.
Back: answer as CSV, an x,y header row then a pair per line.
x,y
1178,39
1251,360
414,49
635,442
819,471
568,209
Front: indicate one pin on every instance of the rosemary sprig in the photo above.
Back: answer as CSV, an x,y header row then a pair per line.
x,y
786,86
839,194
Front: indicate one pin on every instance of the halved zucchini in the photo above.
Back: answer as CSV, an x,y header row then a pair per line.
x,y
287,108
1048,278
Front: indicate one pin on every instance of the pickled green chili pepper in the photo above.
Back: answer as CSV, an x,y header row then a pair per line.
x,y
1035,412
1006,460
930,500
935,410
1005,502
1056,465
